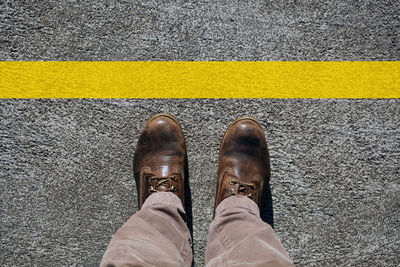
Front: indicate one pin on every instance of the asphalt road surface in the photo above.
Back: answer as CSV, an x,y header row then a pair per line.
x,y
66,165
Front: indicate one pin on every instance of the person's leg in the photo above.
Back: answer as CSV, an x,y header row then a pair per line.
x,y
238,236
157,235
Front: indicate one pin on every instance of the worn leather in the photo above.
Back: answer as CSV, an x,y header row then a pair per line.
x,y
243,164
160,158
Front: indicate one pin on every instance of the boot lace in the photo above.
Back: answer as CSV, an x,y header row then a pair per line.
x,y
241,188
167,182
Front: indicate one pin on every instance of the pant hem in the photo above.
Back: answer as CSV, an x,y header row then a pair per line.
x,y
163,197
238,201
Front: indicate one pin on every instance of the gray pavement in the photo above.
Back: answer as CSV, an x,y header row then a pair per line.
x,y
66,165
199,30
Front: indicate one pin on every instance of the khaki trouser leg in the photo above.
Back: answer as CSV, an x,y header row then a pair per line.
x,y
238,237
156,235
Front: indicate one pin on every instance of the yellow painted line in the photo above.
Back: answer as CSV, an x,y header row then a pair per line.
x,y
170,79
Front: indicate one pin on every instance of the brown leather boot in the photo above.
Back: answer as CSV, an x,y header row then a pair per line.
x,y
243,164
160,158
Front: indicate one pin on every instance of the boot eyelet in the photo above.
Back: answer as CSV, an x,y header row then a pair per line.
x,y
231,191
231,182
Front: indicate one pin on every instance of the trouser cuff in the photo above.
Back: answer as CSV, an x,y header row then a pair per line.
x,y
163,197
238,202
